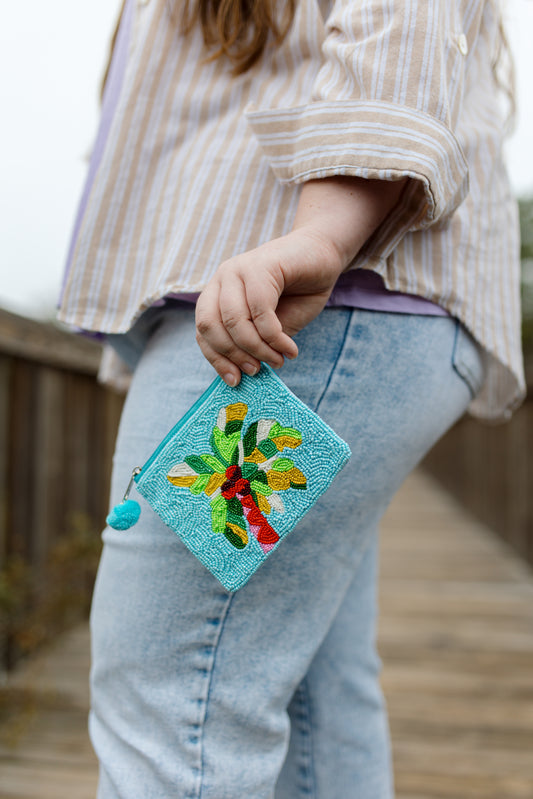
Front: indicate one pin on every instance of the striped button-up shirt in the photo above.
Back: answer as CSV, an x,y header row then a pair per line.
x,y
195,165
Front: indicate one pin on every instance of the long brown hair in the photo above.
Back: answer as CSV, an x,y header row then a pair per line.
x,y
239,29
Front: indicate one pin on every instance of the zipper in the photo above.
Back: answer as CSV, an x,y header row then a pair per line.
x,y
136,475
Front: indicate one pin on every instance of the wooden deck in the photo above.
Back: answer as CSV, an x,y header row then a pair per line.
x,y
456,638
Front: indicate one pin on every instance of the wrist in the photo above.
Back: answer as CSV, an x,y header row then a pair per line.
x,y
322,248
343,212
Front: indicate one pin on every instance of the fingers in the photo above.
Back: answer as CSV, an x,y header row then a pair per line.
x,y
227,370
236,315
226,333
215,342
263,305
238,321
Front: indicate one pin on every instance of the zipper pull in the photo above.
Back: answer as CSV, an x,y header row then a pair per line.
x,y
126,513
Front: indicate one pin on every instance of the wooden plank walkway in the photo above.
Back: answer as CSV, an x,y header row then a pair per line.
x,y
456,637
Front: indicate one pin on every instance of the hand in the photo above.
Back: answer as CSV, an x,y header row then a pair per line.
x,y
256,301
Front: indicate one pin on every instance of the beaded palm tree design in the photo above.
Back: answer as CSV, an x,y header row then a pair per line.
x,y
243,475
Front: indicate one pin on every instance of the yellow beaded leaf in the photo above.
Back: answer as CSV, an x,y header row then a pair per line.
x,y
237,411
263,503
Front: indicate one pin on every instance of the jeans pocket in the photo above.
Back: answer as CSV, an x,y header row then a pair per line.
x,y
467,359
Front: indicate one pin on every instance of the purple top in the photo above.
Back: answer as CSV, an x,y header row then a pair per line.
x,y
360,288
363,288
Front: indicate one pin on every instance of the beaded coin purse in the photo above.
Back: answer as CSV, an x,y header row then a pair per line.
x,y
236,473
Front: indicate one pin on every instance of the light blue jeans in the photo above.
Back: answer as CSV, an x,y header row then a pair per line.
x,y
271,692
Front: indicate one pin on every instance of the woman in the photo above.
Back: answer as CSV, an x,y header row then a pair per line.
x,y
323,181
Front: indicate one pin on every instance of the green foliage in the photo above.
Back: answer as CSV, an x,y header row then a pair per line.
x,y
37,604
525,207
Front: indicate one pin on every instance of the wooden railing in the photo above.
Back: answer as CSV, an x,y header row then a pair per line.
x,y
490,470
57,433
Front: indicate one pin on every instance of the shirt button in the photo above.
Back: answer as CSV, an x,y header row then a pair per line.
x,y
462,43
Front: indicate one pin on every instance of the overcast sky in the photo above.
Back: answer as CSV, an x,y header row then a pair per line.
x,y
51,60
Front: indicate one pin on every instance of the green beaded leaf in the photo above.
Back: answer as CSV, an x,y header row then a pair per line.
x,y
282,465
224,445
218,514
234,426
216,465
235,456
235,518
250,439
234,539
261,488
285,436
198,464
249,470
267,448
234,506
199,484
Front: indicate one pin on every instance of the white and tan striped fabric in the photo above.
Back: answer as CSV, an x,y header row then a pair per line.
x,y
199,165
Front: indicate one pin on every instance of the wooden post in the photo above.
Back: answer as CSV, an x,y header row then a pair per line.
x,y
5,393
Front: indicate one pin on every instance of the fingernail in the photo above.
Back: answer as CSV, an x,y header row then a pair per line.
x,y
230,379
250,369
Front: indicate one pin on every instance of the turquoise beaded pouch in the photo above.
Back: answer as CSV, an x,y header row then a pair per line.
x,y
236,473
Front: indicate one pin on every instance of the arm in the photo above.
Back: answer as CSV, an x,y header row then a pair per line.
x,y
256,301
383,113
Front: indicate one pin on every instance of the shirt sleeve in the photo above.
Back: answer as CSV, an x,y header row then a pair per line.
x,y
385,105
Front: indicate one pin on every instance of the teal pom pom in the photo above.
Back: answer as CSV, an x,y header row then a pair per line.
x,y
125,515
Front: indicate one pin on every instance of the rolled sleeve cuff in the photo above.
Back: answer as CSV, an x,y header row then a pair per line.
x,y
373,140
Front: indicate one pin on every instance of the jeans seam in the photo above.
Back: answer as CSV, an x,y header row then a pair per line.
x,y
336,361
468,376
461,367
309,787
216,643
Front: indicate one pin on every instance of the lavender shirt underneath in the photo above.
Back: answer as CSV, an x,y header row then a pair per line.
x,y
360,288
364,289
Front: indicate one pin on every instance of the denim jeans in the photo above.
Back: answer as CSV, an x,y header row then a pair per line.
x,y
271,692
